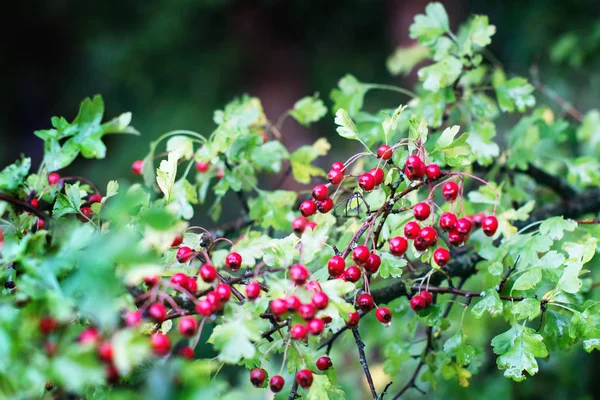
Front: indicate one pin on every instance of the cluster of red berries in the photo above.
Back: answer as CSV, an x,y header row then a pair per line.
x,y
304,377
421,300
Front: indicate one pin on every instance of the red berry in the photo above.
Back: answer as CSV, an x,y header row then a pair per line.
x,y
88,335
187,326
378,174
39,225
352,274
299,332
313,286
186,352
50,347
233,261
447,221
414,168
398,246
412,230
441,256
336,266
316,326
366,182
335,176
184,254
214,300
320,192
478,219
307,311
47,325
293,303
353,319
95,198
258,377
177,240
276,383
421,211
360,254
179,279
160,343
489,225
112,373
463,226
417,303
151,280
191,285
53,178
433,172
202,166
105,351
429,235
320,300
299,224
157,312
299,274
337,166
35,203
455,238
384,152
278,306
384,315
308,208
326,319
252,290
324,206
223,292
87,214
220,174
372,264
324,363
133,318
137,166
365,302
204,308
311,225
426,295
420,244
450,191
208,273
304,377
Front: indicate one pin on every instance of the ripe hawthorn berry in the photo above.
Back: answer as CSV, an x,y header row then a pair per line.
x,y
378,174
447,221
299,274
208,273
187,326
299,224
292,303
214,300
47,325
316,326
426,295
433,172
299,332
161,344
489,225
304,377
463,226
179,279
223,292
308,208
202,166
324,206
455,237
233,261
204,308
360,254
414,168
478,219
307,311
336,266
324,363
111,372
429,235
366,182
313,286
184,254
420,244
384,315
151,280
252,290
276,383
35,203
450,191
105,351
39,225
411,230
335,176
258,377
337,166
278,307
88,335
320,192
137,166
352,274
85,215
417,303
353,319
398,246
133,318
53,178
372,264
311,225
177,240
186,352
157,312
441,256
421,211
365,302
320,300
384,152
95,198
191,285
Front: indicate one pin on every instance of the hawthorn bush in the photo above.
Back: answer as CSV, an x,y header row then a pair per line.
x,y
413,252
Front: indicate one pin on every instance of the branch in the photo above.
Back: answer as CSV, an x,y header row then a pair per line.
x,y
293,393
363,360
413,379
587,221
385,389
24,205
557,184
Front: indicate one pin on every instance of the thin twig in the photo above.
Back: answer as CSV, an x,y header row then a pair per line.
x,y
363,360
293,393
24,205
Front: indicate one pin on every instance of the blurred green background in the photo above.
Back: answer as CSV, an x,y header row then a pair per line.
x,y
172,63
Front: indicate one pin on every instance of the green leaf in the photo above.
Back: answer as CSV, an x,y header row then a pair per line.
x,y
518,348
273,209
77,369
588,133
555,227
281,252
456,347
323,389
446,138
528,308
528,280
481,138
390,266
129,350
404,59
301,160
489,303
13,175
241,113
346,127
182,146
515,92
308,110
431,25
166,173
569,281
586,325
349,95
480,33
584,171
441,74
233,338
391,123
